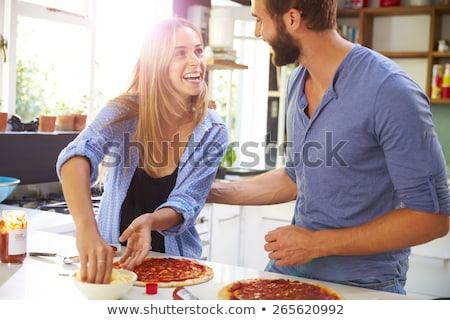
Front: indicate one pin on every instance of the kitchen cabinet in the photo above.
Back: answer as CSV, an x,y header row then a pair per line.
x,y
407,34
429,269
256,221
203,226
225,233
237,232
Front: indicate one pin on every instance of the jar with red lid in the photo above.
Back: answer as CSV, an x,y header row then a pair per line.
x,y
13,236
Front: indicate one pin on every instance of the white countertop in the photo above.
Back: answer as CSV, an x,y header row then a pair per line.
x,y
27,280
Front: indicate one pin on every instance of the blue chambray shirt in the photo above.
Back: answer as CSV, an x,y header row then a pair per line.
x,y
369,148
196,172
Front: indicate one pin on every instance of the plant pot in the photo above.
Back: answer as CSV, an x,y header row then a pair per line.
x,y
47,123
221,171
3,121
65,122
79,122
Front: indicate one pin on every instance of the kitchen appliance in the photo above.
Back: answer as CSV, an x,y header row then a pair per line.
x,y
199,15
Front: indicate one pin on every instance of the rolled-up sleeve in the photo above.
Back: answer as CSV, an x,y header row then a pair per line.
x,y
94,143
196,173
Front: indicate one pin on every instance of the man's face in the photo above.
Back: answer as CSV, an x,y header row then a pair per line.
x,y
285,49
273,30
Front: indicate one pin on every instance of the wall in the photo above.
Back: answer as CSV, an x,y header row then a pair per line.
x,y
30,156
441,117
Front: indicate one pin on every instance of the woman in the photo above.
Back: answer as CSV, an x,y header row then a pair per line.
x,y
161,146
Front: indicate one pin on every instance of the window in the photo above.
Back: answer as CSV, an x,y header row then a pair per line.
x,y
72,53
242,95
48,57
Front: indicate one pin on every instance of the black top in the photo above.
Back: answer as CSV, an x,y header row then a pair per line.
x,y
144,195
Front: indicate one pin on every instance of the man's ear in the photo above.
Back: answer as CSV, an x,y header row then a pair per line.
x,y
292,19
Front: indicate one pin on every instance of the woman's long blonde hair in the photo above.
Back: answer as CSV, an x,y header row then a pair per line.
x,y
158,102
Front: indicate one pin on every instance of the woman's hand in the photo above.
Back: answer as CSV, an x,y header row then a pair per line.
x,y
96,258
138,237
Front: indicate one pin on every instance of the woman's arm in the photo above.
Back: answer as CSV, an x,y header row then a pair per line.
x,y
95,254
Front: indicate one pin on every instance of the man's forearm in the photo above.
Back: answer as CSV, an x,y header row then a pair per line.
x,y
268,188
396,230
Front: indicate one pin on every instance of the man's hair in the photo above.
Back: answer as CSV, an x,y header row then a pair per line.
x,y
319,14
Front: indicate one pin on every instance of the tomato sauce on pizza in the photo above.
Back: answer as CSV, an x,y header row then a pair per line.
x,y
276,289
171,272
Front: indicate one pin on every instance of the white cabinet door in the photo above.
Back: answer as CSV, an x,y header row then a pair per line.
x,y
225,232
429,269
256,221
203,226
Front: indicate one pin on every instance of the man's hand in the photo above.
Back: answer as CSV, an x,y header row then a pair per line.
x,y
290,245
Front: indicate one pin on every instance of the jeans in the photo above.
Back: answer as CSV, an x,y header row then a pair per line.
x,y
388,283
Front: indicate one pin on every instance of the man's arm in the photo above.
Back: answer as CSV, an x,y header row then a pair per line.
x,y
401,228
268,188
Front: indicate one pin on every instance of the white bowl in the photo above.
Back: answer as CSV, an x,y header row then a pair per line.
x,y
112,291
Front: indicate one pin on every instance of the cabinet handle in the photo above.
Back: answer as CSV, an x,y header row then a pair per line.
x,y
445,258
276,219
230,218
201,220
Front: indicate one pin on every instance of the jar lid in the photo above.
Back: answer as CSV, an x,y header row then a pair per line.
x,y
151,288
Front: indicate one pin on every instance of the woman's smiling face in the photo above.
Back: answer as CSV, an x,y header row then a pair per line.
x,y
188,65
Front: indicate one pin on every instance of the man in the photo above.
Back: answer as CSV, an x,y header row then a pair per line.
x,y
363,160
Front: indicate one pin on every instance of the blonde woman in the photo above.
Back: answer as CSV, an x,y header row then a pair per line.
x,y
161,146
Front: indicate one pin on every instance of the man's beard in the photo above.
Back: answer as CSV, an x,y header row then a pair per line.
x,y
285,51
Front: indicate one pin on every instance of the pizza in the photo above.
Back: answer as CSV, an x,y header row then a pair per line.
x,y
170,272
276,289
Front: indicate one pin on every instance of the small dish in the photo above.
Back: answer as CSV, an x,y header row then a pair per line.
x,y
121,283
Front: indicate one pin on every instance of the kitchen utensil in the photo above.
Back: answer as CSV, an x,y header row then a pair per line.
x,y
66,260
7,186
181,293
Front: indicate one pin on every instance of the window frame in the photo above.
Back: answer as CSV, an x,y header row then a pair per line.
x,y
8,28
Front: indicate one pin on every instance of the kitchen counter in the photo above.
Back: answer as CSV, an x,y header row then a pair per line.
x,y
27,280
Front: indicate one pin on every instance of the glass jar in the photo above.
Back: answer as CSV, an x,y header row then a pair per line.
x,y
13,236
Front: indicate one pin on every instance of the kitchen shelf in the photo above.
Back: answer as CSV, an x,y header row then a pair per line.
x,y
405,54
440,101
348,13
226,65
441,55
366,17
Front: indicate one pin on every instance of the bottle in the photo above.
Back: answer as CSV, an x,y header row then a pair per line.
x,y
436,81
13,236
446,82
